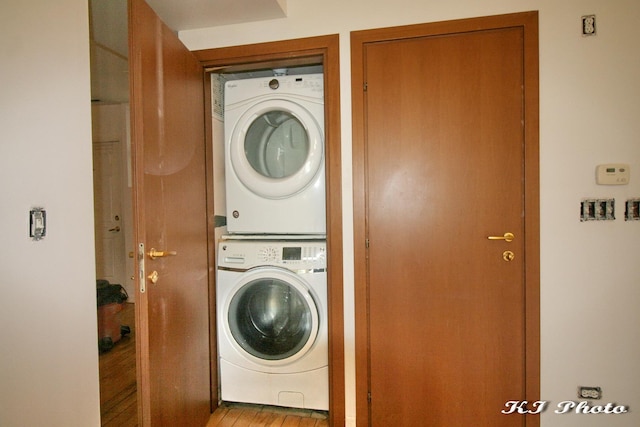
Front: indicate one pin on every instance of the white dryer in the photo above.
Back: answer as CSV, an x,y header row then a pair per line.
x,y
274,155
272,323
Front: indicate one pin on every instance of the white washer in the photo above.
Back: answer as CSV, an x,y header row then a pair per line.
x,y
272,323
274,155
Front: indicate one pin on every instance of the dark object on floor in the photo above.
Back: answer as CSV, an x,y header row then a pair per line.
x,y
108,293
110,299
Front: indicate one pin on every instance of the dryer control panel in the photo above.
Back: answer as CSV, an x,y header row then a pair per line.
x,y
293,255
305,85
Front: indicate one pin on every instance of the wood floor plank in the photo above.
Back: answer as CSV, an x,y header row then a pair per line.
x,y
291,421
262,419
217,416
307,422
276,421
118,399
230,418
127,418
322,423
248,415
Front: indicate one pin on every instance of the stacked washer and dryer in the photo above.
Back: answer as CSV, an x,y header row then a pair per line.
x,y
272,282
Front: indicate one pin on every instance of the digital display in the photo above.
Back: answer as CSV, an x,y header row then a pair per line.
x,y
292,254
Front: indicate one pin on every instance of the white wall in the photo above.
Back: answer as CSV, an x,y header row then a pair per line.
x,y
590,105
109,50
49,356
590,114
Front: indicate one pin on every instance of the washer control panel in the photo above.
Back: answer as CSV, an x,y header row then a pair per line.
x,y
294,255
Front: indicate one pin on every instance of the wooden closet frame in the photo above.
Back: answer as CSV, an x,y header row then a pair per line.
x,y
281,54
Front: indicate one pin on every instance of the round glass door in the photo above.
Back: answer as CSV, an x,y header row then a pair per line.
x,y
271,319
276,149
276,144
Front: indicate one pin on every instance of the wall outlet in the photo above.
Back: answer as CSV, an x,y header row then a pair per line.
x,y
589,25
589,392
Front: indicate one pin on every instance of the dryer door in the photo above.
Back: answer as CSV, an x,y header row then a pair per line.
x,y
272,317
276,148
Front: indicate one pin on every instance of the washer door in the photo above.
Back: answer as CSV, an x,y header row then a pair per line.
x,y
276,149
272,317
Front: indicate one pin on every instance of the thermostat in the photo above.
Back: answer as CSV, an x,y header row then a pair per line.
x,y
612,174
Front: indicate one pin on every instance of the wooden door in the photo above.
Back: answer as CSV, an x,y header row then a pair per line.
x,y
168,140
446,165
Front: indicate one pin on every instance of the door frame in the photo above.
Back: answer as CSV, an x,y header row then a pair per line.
x,y
305,51
528,21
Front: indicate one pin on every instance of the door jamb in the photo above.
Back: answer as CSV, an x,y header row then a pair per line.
x,y
529,22
305,51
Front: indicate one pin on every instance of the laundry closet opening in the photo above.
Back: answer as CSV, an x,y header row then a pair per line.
x,y
271,282
301,58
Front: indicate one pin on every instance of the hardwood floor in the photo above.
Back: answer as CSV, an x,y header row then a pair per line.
x,y
118,401
119,406
241,415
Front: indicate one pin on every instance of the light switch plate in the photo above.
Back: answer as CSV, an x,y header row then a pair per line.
x,y
632,212
37,223
597,210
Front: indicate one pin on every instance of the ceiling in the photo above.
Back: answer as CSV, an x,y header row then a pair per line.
x,y
189,14
109,17
109,35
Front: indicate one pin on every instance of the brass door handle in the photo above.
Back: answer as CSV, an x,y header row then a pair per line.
x,y
153,254
508,237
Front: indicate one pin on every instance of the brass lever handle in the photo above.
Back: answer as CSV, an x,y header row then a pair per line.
x,y
508,237
153,254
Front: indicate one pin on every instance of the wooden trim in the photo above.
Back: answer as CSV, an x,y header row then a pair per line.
x,y
211,242
359,229
529,22
307,51
136,14
532,210
311,50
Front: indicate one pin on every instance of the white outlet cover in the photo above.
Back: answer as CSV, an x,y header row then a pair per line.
x,y
589,25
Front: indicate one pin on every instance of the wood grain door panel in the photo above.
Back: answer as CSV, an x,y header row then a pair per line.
x,y
170,214
444,147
